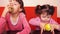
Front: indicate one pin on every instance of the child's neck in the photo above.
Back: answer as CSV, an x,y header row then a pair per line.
x,y
45,21
15,15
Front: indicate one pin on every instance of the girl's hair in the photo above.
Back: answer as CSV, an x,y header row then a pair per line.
x,y
44,8
21,5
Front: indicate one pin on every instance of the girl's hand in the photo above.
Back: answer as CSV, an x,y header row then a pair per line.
x,y
41,31
7,8
5,11
53,32
42,27
52,28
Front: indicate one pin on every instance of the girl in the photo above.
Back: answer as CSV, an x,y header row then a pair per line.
x,y
44,14
14,16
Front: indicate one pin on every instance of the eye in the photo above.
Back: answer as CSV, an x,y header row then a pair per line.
x,y
15,3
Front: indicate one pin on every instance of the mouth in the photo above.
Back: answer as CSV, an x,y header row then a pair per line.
x,y
11,10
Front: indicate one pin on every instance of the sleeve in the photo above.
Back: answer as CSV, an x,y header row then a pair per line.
x,y
6,18
2,24
34,22
26,26
53,21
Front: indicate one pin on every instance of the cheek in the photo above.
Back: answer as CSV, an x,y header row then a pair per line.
x,y
42,18
16,7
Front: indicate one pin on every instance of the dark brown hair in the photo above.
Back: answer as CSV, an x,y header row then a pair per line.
x,y
21,5
47,8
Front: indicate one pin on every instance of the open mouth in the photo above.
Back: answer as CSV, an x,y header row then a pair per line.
x,y
11,9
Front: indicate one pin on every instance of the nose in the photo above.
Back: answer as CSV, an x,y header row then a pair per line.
x,y
11,4
10,7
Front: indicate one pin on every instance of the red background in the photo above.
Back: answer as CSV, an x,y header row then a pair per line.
x,y
30,13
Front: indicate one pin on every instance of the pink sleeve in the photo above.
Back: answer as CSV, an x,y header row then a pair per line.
x,y
34,21
53,21
6,18
2,24
26,26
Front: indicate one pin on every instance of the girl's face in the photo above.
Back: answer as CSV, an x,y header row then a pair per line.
x,y
15,7
45,17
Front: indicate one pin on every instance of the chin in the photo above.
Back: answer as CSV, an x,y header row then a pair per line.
x,y
45,20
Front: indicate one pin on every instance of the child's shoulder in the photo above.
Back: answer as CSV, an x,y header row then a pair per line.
x,y
53,21
22,14
35,19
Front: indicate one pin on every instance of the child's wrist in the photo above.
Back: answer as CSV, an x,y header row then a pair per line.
x,y
3,15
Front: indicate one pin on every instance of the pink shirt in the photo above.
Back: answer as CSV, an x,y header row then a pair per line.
x,y
36,21
21,21
2,24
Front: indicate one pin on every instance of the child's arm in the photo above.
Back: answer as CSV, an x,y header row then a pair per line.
x,y
56,25
52,28
6,9
26,26
5,12
41,31
3,20
53,32
53,21
2,24
42,27
34,21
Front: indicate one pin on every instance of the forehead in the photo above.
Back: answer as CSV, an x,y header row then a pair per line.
x,y
14,2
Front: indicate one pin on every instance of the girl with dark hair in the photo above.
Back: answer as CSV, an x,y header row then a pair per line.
x,y
14,17
44,14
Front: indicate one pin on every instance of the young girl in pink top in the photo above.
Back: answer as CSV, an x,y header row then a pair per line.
x,y
14,17
44,14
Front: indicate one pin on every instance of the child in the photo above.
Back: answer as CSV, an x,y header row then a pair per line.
x,y
44,14
14,16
